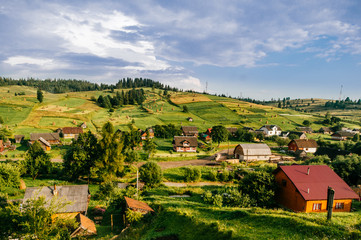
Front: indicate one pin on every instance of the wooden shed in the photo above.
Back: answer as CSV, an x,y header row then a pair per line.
x,y
303,188
252,152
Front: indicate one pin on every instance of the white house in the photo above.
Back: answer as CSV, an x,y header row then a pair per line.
x,y
271,130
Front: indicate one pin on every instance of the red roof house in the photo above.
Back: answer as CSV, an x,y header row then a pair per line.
x,y
303,188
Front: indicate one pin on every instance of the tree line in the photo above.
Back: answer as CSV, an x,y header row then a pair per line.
x,y
131,97
74,85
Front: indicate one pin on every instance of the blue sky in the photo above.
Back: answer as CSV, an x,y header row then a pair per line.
x,y
259,49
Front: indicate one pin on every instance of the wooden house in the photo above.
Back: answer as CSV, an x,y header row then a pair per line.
x,y
51,138
137,206
271,130
185,144
232,131
307,145
342,135
19,138
143,134
44,144
189,131
2,148
252,152
303,188
83,125
78,195
71,132
325,130
305,129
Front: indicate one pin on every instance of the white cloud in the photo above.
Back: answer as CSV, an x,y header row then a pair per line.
x,y
18,60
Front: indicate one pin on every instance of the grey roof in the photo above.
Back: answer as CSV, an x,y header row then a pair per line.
x,y
76,194
178,141
232,129
269,127
255,149
307,129
343,134
47,136
18,137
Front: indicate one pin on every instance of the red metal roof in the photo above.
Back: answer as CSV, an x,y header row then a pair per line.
x,y
313,186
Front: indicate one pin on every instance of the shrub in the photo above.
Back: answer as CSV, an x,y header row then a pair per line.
x,y
192,174
223,176
9,175
207,197
212,175
133,216
151,174
106,191
217,200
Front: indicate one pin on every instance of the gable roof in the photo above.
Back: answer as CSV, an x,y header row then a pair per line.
x,y
138,205
288,133
189,129
72,130
19,137
325,129
232,130
306,129
313,186
43,141
47,136
270,127
255,149
305,143
76,194
344,134
178,141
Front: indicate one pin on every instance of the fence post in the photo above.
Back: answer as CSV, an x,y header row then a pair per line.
x,y
330,195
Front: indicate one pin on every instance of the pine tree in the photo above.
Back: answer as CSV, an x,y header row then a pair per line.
x,y
39,95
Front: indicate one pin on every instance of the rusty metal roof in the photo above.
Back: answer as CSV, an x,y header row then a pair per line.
x,y
138,205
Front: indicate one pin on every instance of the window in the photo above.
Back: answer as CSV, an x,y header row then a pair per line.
x,y
316,206
284,183
339,205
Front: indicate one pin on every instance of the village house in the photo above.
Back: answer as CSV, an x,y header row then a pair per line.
x,y
190,119
78,197
185,144
44,144
51,138
71,132
305,129
143,134
300,135
325,130
271,130
249,129
19,138
83,125
342,135
303,188
232,131
2,148
137,206
189,131
307,145
252,152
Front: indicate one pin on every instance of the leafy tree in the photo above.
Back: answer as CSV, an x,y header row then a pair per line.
x,y
281,141
185,109
111,158
1,120
37,161
219,134
131,156
4,133
149,146
80,158
151,174
260,186
34,220
133,216
356,137
293,136
306,123
348,168
39,95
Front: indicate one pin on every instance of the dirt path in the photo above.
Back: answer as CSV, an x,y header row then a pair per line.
x,y
176,184
174,164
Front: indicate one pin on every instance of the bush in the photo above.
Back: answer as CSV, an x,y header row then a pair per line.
x,y
207,197
151,174
223,176
217,200
212,175
9,175
106,191
192,174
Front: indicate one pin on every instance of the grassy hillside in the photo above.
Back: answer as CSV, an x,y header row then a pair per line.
x,y
23,114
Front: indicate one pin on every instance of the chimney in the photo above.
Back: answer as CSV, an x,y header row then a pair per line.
x,y
308,171
308,190
55,192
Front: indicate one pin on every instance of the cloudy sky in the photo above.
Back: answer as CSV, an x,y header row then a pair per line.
x,y
258,49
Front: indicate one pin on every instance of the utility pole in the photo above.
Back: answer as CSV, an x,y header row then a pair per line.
x,y
137,185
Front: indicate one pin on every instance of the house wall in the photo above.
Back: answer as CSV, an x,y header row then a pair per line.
x,y
70,135
254,158
184,149
287,194
347,205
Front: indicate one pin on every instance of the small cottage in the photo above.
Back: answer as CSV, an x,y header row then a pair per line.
x,y
252,152
305,129
19,138
51,138
300,135
271,130
144,133
325,130
71,132
83,125
137,206
342,135
44,144
307,145
185,144
303,188
189,131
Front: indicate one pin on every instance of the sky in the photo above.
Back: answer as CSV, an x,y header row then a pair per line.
x,y
260,49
